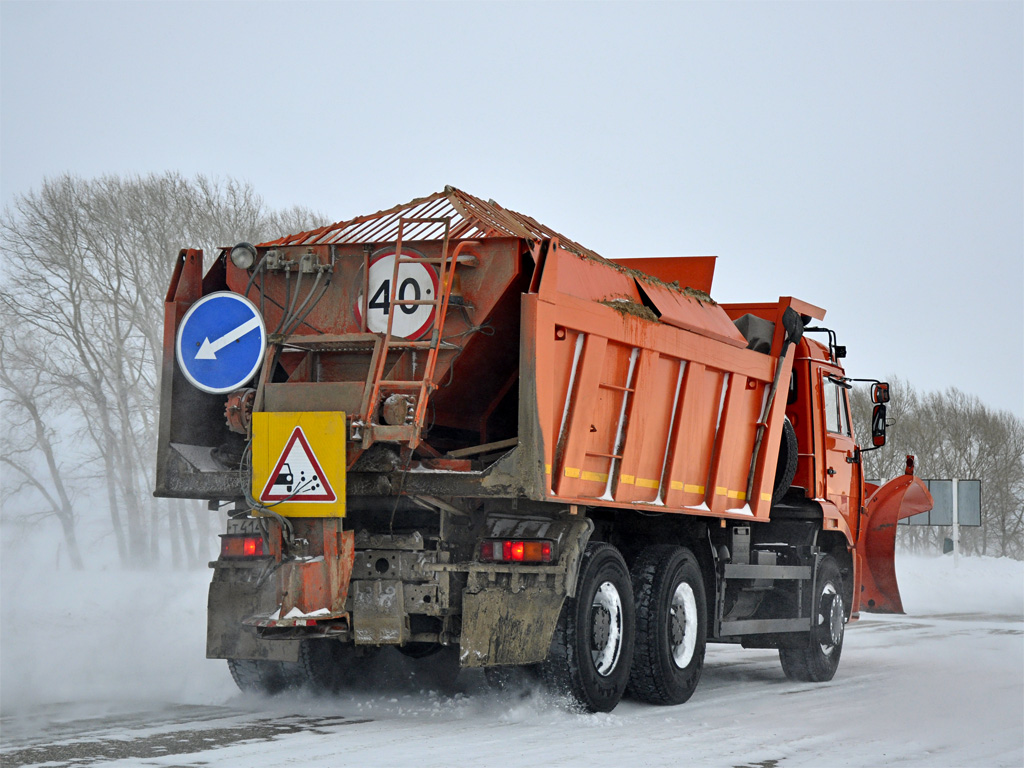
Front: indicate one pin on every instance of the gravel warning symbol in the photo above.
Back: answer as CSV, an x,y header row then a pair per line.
x,y
297,475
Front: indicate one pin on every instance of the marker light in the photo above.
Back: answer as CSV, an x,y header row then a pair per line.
x,y
243,255
516,551
241,546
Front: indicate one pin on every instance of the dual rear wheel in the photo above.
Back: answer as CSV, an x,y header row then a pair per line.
x,y
643,630
671,625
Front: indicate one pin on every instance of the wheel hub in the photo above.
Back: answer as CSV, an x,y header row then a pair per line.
x,y
830,618
836,622
601,622
606,628
683,625
678,626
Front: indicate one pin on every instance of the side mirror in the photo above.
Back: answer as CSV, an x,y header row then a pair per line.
x,y
878,426
880,392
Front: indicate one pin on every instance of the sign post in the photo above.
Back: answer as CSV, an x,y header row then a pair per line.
x,y
956,522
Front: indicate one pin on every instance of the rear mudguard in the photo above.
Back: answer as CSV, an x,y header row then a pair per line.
x,y
899,498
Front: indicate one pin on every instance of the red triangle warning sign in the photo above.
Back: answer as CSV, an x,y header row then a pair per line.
x,y
297,476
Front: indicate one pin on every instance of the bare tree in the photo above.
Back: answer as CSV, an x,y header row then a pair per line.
x,y
955,435
30,456
86,265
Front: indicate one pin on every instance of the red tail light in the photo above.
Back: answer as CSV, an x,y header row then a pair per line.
x,y
241,546
517,551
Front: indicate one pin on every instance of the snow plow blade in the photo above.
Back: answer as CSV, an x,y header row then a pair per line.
x,y
899,498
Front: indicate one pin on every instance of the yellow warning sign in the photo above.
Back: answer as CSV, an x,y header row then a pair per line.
x,y
298,462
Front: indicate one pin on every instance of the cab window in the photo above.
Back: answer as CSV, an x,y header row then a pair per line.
x,y
837,420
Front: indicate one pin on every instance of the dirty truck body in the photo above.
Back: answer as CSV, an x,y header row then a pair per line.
x,y
478,442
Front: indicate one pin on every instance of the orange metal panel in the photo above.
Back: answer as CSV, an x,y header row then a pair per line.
x,y
689,271
901,497
691,448
578,314
772,309
646,430
734,443
574,435
573,275
691,314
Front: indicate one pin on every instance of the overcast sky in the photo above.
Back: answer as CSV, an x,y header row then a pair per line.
x,y
865,157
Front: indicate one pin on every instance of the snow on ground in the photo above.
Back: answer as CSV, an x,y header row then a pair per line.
x,y
941,686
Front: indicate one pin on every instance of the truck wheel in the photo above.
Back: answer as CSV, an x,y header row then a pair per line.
x,y
818,661
269,677
785,470
593,645
671,625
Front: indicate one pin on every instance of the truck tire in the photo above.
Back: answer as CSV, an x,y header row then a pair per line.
x,y
785,470
267,677
818,661
671,625
592,649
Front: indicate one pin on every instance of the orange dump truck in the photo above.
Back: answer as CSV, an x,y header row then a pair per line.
x,y
448,429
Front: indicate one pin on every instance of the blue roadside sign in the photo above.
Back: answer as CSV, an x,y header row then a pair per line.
x,y
221,342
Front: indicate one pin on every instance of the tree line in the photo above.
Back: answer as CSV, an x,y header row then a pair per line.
x,y
953,435
86,264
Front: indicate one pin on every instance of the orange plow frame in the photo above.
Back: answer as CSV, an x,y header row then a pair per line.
x,y
901,497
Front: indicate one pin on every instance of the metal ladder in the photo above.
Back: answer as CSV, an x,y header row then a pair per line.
x,y
410,432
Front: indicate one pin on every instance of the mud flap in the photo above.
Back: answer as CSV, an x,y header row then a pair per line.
x,y
504,627
899,498
235,594
378,612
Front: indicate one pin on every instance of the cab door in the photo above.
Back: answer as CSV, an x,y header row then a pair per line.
x,y
839,447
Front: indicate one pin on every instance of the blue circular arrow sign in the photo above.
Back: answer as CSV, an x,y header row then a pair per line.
x,y
221,342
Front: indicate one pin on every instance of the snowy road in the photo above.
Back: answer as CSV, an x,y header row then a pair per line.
x,y
936,689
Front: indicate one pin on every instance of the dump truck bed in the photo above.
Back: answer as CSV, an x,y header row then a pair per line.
x,y
645,394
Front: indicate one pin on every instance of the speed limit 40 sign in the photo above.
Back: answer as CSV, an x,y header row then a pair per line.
x,y
416,282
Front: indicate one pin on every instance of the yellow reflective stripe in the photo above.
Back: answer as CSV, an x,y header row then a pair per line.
x,y
627,479
644,483
694,489
675,485
596,477
737,495
766,497
720,491
572,472
547,469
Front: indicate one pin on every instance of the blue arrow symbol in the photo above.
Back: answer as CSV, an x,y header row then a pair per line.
x,y
209,349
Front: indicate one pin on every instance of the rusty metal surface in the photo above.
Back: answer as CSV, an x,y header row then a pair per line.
x,y
188,416
471,219
320,582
